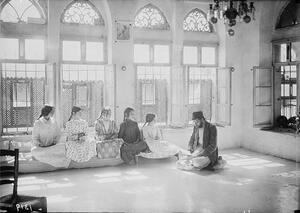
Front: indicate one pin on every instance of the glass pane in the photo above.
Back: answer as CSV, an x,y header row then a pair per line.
x,y
148,93
9,48
94,51
141,53
295,52
21,95
280,51
34,49
82,99
190,55
161,54
208,55
288,91
71,51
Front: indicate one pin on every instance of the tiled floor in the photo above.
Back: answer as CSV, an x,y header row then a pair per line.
x,y
251,182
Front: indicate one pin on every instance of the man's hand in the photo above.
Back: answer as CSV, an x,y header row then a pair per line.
x,y
191,149
82,139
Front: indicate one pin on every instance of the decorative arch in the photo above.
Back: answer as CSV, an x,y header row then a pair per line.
x,y
82,12
151,17
290,15
196,21
17,11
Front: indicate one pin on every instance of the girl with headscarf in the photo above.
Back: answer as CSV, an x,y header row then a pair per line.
x,y
79,147
45,137
133,142
153,137
106,129
108,145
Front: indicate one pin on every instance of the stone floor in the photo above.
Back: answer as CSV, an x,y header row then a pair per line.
x,y
251,182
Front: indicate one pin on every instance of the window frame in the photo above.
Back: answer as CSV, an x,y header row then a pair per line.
x,y
187,82
199,64
83,50
151,62
276,66
199,53
152,83
151,52
21,56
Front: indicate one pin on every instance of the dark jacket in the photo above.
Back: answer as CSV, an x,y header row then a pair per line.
x,y
129,132
209,143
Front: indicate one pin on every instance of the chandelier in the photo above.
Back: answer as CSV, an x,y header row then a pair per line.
x,y
231,12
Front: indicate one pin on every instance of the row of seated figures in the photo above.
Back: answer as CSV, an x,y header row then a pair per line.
x,y
80,146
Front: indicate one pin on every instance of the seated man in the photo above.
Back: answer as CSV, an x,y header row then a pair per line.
x,y
202,146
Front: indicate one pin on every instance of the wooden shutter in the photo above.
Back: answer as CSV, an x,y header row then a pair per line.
x,y
262,96
223,103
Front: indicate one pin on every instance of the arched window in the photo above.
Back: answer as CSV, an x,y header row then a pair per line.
x,y
82,12
22,11
196,21
152,18
290,15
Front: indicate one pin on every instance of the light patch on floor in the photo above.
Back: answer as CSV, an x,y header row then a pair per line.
x,y
248,162
250,181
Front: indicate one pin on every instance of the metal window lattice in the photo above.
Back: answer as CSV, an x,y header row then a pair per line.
x,y
195,21
152,18
82,12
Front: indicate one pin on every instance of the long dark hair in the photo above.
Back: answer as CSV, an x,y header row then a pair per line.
x,y
127,112
149,118
46,111
75,109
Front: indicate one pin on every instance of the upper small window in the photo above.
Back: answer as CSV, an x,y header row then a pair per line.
x,y
71,50
290,15
196,21
152,18
9,48
21,11
82,12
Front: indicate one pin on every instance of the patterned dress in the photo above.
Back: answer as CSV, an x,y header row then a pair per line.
x,y
103,133
108,145
79,147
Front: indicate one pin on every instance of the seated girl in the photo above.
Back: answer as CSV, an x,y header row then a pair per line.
x,y
45,138
153,137
106,129
79,147
106,134
130,133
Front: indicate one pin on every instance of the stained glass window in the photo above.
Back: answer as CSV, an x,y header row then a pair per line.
x,y
152,18
196,21
82,12
21,11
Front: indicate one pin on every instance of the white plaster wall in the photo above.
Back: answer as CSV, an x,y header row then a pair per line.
x,y
256,49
